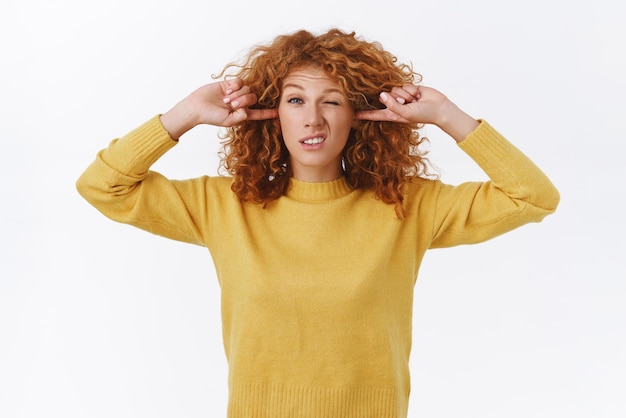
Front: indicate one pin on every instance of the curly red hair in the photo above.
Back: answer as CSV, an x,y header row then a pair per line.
x,y
380,156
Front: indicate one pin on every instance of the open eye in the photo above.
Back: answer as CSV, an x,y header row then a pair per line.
x,y
295,100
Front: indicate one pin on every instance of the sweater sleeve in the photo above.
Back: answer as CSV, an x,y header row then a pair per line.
x,y
517,193
119,184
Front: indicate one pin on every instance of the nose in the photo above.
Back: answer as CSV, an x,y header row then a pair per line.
x,y
313,117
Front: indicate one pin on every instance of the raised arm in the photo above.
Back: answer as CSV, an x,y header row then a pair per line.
x,y
119,182
518,191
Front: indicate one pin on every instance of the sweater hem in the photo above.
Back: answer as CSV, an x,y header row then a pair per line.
x,y
255,400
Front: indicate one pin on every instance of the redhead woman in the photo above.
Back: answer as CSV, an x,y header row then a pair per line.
x,y
322,216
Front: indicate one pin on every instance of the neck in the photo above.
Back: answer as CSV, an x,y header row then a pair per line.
x,y
317,174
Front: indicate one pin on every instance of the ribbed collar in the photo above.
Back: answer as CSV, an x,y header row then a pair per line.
x,y
316,192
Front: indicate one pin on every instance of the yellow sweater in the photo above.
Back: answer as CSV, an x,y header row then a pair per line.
x,y
317,288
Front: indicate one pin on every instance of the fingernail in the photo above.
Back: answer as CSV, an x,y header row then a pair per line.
x,y
235,103
226,99
400,100
228,91
384,96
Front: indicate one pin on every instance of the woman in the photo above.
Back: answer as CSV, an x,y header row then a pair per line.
x,y
318,231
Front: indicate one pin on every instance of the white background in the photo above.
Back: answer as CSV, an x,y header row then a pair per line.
x,y
98,319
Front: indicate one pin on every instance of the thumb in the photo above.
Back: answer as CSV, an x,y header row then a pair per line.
x,y
235,117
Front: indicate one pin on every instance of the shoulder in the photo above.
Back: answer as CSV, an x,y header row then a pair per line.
x,y
213,182
421,193
421,186
205,187
219,181
219,185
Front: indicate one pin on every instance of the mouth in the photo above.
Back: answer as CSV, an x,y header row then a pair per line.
x,y
313,140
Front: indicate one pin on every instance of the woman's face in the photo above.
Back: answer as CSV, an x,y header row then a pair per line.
x,y
315,118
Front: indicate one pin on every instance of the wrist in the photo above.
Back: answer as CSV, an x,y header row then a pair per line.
x,y
455,122
179,119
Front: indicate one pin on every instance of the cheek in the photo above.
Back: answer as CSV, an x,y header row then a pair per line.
x,y
287,131
284,120
345,123
282,124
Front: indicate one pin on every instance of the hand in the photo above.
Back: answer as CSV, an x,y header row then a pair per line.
x,y
223,103
419,104
407,104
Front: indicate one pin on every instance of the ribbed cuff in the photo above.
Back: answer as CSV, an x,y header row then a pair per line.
x,y
141,147
488,147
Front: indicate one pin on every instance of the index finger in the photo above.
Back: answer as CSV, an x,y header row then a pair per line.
x,y
379,115
261,114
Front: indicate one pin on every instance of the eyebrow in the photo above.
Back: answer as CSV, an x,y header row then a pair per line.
x,y
299,87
